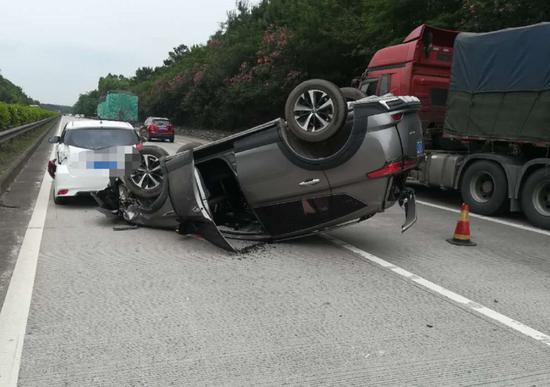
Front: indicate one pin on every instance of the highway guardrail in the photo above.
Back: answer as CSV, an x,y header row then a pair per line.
x,y
8,134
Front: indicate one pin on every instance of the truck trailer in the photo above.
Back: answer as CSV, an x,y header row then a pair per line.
x,y
118,105
485,112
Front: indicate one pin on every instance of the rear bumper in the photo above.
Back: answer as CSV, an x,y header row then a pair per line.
x,y
398,192
161,135
407,201
75,185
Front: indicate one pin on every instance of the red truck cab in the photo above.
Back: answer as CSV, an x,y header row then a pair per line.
x,y
420,66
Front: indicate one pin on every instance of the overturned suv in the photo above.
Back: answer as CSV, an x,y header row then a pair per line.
x,y
338,158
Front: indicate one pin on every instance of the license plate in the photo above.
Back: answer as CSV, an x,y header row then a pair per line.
x,y
103,165
419,148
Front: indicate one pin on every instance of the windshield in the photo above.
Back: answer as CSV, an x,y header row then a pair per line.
x,y
161,122
99,138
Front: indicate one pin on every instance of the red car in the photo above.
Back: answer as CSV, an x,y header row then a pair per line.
x,y
157,128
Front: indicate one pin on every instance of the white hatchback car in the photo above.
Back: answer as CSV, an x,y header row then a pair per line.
x,y
88,153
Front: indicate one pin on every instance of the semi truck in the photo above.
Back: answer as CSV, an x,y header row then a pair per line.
x,y
118,105
485,112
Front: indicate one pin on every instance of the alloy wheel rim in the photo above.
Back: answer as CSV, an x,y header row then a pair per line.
x,y
148,175
314,111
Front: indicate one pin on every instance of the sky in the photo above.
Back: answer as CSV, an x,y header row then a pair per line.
x,y
58,49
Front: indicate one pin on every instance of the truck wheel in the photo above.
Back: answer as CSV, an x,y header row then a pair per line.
x,y
315,110
147,179
535,198
352,94
485,188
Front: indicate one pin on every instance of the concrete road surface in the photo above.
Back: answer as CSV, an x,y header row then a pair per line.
x,y
371,306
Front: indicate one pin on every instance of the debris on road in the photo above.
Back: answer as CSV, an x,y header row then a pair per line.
x,y
125,227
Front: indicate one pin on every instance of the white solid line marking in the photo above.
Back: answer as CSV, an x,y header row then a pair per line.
x,y
15,310
463,301
487,218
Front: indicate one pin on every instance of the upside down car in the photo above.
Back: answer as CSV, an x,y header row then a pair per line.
x,y
337,158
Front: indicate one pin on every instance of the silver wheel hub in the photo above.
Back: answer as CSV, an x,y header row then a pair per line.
x,y
148,175
314,111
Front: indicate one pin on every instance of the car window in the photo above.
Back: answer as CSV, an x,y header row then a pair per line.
x,y
161,122
99,138
384,84
369,86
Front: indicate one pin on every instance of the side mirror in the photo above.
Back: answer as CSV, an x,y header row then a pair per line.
x,y
54,139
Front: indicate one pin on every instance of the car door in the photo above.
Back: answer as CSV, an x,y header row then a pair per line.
x,y
61,150
285,197
188,199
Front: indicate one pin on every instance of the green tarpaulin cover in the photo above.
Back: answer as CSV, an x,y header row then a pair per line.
x,y
119,106
500,85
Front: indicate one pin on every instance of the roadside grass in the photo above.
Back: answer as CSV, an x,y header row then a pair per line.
x,y
12,149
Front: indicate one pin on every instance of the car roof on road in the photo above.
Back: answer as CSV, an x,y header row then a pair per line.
x,y
84,124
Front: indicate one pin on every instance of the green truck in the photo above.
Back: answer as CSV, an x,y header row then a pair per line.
x,y
119,106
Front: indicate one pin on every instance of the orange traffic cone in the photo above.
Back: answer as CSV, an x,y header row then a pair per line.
x,y
461,236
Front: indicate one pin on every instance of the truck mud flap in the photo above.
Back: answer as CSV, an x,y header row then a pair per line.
x,y
189,202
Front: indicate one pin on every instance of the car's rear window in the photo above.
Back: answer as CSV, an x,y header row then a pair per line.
x,y
100,138
161,122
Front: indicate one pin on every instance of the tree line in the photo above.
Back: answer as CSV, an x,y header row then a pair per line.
x,y
16,108
10,93
243,74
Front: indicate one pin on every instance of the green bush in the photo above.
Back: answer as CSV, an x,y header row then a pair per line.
x,y
12,115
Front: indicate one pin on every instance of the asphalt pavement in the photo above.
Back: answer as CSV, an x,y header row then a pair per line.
x,y
151,307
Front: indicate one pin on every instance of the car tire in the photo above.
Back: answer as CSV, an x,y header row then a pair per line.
x,y
535,198
315,110
172,139
146,181
188,146
352,94
485,188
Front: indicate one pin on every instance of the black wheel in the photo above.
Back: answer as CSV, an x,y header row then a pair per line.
x,y
188,146
147,179
352,94
535,198
485,188
172,139
315,110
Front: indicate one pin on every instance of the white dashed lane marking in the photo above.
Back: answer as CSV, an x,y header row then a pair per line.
x,y
463,301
